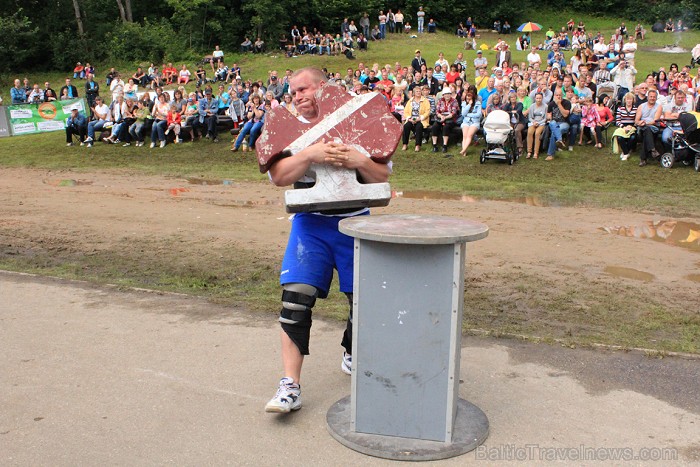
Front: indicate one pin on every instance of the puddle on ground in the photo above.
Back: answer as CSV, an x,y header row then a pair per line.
x,y
204,181
677,233
438,195
629,273
67,182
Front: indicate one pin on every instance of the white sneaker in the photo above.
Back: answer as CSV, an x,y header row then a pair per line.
x,y
69,144
346,364
88,140
153,145
127,145
624,157
167,132
288,397
571,148
162,144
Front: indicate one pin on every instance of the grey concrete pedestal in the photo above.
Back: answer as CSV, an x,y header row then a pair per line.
x,y
407,312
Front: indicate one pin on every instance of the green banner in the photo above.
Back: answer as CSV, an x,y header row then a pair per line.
x,y
26,119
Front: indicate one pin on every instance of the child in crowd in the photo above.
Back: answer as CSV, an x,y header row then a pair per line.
x,y
174,123
590,118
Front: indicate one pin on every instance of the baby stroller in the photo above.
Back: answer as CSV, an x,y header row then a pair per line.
x,y
500,138
695,56
685,146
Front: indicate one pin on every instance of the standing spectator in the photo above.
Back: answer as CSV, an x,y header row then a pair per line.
x,y
420,15
76,125
92,90
398,17
391,21
364,24
480,62
517,119
110,75
71,91
382,24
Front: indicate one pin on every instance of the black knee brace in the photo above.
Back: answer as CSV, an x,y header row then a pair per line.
x,y
295,318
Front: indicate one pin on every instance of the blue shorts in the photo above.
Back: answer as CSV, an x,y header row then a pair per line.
x,y
315,248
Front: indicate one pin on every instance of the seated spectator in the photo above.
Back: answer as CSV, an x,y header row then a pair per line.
x,y
76,125
221,72
69,90
216,57
259,46
36,96
174,123
208,108
432,26
246,45
160,121
130,89
557,113
361,42
79,71
505,29
348,47
517,119
201,75
191,114
102,116
646,121
140,77
446,113
471,118
50,95
255,112
89,69
375,34
120,111
137,128
537,121
671,112
169,74
184,75
155,78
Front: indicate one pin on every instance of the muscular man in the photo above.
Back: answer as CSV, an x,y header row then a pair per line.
x,y
307,272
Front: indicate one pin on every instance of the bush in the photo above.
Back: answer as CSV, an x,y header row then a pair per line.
x,y
153,42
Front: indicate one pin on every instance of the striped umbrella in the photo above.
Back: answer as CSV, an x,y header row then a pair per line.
x,y
529,27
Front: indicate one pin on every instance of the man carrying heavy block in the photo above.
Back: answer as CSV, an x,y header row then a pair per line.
x,y
315,245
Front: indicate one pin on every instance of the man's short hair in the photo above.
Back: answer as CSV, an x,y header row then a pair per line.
x,y
315,73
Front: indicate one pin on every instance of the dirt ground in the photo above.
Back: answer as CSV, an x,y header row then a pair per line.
x,y
544,247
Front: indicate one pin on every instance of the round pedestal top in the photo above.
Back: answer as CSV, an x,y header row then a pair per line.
x,y
413,229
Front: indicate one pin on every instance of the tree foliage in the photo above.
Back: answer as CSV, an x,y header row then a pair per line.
x,y
37,32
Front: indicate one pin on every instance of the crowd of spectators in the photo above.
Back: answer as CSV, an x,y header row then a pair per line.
x,y
568,92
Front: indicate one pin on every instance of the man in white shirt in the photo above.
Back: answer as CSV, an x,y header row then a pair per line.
x,y
671,111
533,57
102,116
623,76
